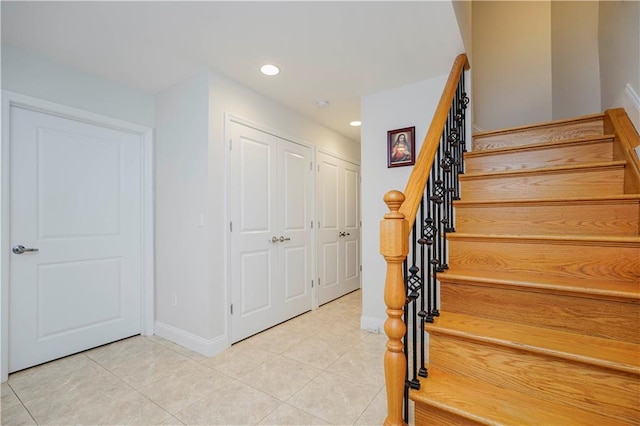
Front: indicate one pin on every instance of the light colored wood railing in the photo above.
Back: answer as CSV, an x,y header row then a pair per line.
x,y
394,245
617,122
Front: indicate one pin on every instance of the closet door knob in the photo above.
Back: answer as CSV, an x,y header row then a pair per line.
x,y
22,249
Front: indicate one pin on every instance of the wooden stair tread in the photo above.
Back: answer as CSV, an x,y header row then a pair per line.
x,y
488,404
604,240
569,201
611,289
540,145
541,170
619,355
535,126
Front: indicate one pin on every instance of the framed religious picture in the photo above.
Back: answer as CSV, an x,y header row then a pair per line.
x,y
401,149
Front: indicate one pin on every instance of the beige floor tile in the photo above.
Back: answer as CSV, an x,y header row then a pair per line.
x,y
278,339
123,351
151,367
237,404
287,415
317,352
47,379
334,399
376,412
16,415
375,343
62,405
360,367
307,325
280,377
9,398
177,348
239,359
189,385
342,334
129,408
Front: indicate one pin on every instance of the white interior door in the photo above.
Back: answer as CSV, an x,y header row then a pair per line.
x,y
338,235
270,208
76,197
294,225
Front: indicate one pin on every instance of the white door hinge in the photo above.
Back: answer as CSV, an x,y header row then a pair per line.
x,y
311,224
230,226
232,309
311,283
230,144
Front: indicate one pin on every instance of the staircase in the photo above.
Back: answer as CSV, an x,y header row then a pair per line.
x,y
540,307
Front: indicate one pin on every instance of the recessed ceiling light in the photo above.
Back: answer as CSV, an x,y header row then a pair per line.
x,y
269,69
322,103
356,123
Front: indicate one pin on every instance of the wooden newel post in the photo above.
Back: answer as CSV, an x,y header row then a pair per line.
x,y
394,247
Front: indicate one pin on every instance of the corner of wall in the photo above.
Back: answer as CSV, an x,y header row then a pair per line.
x,y
205,347
371,324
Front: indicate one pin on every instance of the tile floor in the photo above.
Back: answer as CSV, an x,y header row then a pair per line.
x,y
316,369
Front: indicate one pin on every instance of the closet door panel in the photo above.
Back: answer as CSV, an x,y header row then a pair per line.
x,y
254,258
294,227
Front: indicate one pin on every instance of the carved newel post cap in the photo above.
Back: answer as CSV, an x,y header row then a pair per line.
x,y
393,199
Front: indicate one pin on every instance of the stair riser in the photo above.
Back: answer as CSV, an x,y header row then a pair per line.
x,y
432,416
543,157
559,260
571,130
585,387
612,218
565,312
559,184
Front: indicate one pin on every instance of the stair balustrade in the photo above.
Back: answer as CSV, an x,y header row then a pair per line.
x,y
414,245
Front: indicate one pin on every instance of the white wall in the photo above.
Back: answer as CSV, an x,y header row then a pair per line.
x,y
191,179
619,38
574,58
406,106
182,254
511,63
464,16
36,76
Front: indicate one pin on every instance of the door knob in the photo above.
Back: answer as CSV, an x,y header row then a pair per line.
x,y
22,249
274,239
283,239
341,234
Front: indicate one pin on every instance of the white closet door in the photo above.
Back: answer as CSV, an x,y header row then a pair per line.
x,y
75,197
350,262
294,225
338,236
270,208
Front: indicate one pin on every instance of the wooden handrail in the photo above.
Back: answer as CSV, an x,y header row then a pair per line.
x,y
394,245
617,122
420,173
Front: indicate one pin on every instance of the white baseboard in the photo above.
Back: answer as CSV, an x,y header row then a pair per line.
x,y
191,341
477,129
371,324
632,105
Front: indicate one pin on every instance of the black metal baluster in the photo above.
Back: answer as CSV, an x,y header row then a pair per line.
x,y
412,298
437,219
422,372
